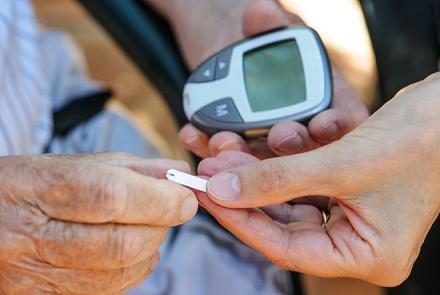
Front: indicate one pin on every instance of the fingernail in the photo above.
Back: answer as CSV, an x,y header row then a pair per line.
x,y
224,186
193,141
330,131
290,143
231,145
189,208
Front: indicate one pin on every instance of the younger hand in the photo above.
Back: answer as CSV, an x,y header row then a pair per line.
x,y
382,183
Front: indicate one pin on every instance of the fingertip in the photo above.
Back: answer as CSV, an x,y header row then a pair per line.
x,y
285,138
211,166
237,158
187,133
333,124
224,161
327,126
224,188
204,200
194,140
226,141
288,138
173,205
189,208
182,166
260,148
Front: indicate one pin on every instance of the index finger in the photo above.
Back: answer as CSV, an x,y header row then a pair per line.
x,y
194,140
302,245
108,194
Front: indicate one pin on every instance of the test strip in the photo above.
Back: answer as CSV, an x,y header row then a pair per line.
x,y
188,180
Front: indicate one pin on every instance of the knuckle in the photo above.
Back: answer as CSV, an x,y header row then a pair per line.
x,y
121,246
112,157
11,245
185,193
178,192
183,166
359,116
435,76
101,195
111,198
271,178
122,154
170,211
431,85
143,244
165,202
159,238
124,276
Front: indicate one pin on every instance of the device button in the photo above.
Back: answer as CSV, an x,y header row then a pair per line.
x,y
205,72
223,61
222,110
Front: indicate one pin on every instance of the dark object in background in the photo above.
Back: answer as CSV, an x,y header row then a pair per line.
x,y
405,37
147,39
406,40
78,111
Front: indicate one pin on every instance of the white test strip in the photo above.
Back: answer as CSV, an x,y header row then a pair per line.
x,y
188,180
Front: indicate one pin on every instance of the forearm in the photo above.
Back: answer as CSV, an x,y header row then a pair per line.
x,y
177,11
164,6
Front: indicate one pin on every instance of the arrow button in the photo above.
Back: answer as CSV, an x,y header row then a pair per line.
x,y
205,72
223,61
221,65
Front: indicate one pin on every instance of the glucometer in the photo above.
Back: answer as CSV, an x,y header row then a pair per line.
x,y
253,84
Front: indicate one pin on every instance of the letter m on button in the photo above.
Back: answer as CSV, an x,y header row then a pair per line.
x,y
221,110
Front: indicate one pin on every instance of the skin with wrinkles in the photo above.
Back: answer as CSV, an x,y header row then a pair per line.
x,y
85,224
382,181
203,27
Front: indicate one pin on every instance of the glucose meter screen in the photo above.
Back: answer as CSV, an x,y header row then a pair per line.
x,y
274,76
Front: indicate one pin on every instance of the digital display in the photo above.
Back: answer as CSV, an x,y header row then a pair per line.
x,y
274,76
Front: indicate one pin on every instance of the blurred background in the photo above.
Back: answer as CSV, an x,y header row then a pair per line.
x,y
107,63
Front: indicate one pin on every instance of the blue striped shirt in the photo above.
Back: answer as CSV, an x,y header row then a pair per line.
x,y
40,70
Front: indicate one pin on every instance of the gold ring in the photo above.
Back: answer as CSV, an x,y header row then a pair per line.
x,y
325,218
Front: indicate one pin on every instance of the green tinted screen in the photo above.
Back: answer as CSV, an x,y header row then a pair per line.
x,y
274,76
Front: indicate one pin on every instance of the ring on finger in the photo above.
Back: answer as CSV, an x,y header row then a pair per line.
x,y
325,218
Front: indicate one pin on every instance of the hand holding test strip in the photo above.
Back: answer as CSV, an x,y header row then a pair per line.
x,y
187,180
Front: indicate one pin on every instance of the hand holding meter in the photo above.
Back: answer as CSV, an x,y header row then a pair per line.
x,y
251,85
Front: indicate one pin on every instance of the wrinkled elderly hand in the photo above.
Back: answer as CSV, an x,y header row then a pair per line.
x,y
383,183
87,224
230,21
